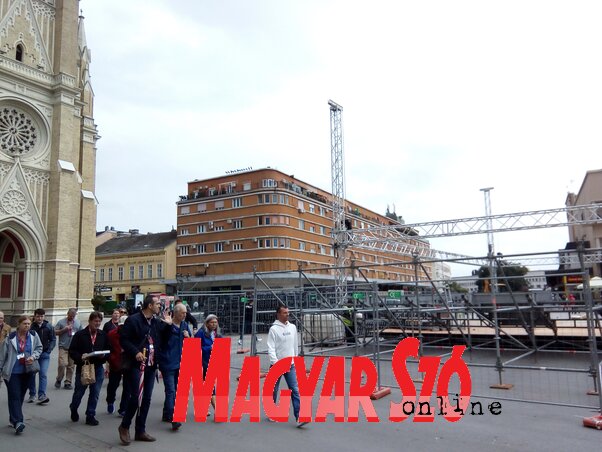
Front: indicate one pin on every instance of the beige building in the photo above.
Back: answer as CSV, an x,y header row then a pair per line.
x,y
589,193
133,263
47,158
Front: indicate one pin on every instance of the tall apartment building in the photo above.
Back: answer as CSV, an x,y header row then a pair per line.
x,y
269,221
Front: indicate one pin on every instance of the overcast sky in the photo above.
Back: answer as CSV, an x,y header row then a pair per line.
x,y
440,98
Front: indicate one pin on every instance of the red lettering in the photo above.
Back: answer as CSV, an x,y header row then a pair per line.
x,y
191,374
406,347
455,364
307,384
430,366
360,395
277,412
334,380
248,383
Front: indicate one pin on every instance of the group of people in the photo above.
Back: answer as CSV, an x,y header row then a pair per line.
x,y
134,346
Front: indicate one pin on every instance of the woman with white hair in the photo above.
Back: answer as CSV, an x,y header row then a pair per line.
x,y
208,333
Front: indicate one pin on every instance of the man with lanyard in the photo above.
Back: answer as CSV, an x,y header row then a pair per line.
x,y
46,333
139,339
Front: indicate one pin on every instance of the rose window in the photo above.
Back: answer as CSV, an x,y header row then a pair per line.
x,y
13,202
17,132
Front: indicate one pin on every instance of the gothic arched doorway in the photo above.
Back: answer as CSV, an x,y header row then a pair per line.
x,y
12,268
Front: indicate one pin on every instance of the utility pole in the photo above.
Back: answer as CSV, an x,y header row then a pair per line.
x,y
337,158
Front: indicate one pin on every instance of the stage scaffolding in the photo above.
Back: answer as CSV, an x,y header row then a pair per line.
x,y
371,322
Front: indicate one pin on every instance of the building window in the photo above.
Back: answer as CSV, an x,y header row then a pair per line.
x,y
284,199
269,183
219,205
102,274
237,224
302,225
260,243
120,273
236,202
312,208
284,243
202,207
219,247
219,228
322,230
131,272
260,199
149,271
302,246
184,210
201,249
19,53
230,187
237,246
322,251
159,270
184,231
312,229
266,199
268,243
246,186
141,270
212,191
110,274
201,228
322,211
300,205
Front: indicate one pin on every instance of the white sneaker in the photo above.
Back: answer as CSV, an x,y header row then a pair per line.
x,y
301,424
31,399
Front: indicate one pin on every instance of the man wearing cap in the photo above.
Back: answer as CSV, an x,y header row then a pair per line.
x,y
116,371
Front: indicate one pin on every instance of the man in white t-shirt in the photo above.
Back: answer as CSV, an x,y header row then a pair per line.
x,y
282,343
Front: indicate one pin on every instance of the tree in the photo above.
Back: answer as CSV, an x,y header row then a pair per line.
x,y
508,274
455,287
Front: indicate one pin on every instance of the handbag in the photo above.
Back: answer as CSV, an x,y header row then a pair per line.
x,y
32,368
88,373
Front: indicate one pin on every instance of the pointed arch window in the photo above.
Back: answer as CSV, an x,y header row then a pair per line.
x,y
19,52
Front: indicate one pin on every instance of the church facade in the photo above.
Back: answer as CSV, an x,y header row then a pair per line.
x,y
47,159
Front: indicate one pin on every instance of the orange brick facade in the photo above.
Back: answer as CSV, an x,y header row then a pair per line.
x,y
270,221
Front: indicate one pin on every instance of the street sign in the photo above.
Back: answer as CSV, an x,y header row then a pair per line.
x,y
244,299
358,295
395,293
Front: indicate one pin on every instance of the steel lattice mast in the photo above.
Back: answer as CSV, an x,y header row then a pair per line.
x,y
337,168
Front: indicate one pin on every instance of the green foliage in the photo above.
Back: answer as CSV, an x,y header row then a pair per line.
x,y
98,301
509,276
455,287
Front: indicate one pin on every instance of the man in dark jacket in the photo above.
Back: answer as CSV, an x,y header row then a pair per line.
x,y
83,347
46,333
139,339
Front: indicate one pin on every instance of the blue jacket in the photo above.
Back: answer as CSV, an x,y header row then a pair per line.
x,y
206,344
171,340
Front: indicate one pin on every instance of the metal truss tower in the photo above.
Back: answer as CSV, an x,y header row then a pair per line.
x,y
337,168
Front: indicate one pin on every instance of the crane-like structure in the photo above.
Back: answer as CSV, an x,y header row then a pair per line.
x,y
338,199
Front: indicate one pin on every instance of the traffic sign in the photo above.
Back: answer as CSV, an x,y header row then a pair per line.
x,y
358,295
395,293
